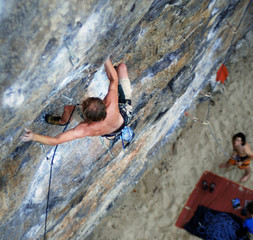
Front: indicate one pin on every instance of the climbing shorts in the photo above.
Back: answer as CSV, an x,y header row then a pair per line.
x,y
125,107
126,112
246,163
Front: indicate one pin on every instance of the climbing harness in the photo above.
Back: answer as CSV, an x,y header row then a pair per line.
x,y
50,176
221,70
125,134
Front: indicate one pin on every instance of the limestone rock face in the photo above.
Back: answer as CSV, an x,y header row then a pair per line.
x,y
52,54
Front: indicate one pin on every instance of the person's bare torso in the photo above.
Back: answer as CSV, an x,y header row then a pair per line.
x,y
110,124
241,150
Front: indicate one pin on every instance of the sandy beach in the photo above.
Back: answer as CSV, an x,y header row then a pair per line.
x,y
152,208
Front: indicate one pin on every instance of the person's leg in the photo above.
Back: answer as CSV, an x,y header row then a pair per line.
x,y
57,120
66,114
125,91
224,165
246,175
124,82
230,162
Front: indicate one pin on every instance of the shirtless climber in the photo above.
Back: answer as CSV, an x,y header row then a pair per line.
x,y
241,155
99,117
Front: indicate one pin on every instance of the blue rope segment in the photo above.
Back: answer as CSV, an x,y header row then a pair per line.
x,y
217,143
218,227
50,176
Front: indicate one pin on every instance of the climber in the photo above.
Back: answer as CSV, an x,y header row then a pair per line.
x,y
100,117
241,155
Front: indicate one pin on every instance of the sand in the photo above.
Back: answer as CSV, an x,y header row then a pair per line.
x,y
151,210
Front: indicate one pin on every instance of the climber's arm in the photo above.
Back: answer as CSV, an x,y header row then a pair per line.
x,y
69,135
248,151
112,95
112,75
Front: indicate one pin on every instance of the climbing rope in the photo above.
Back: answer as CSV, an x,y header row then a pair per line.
x,y
220,226
217,143
209,95
50,176
108,149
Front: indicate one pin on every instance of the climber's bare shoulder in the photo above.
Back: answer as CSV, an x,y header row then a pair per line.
x,y
97,128
89,130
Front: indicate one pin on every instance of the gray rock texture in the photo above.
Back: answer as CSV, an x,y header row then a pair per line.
x,y
52,54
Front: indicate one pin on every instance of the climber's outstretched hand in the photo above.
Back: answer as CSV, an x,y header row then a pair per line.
x,y
27,136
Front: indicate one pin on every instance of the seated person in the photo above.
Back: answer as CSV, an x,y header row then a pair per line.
x,y
241,156
248,223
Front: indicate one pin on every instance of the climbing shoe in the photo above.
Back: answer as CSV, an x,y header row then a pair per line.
x,y
53,120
